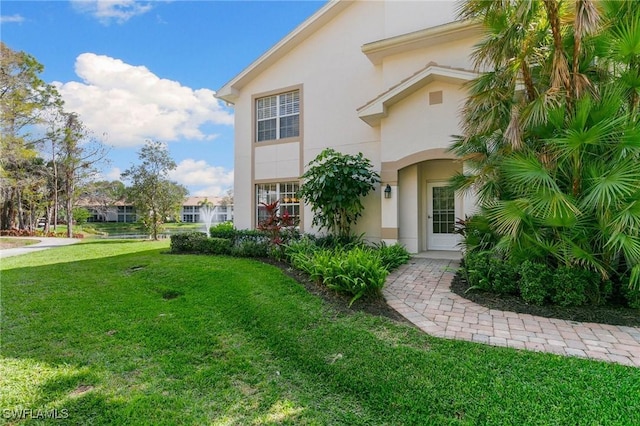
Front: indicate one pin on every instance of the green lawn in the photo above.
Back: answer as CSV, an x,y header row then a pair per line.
x,y
118,332
115,228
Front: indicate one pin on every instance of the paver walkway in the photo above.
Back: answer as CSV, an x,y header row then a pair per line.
x,y
420,292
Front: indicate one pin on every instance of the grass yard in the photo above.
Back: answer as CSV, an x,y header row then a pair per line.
x,y
120,228
117,332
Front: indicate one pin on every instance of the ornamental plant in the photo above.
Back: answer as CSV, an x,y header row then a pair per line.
x,y
334,185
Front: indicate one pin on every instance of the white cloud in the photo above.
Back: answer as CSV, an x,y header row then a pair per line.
x,y
214,180
130,104
107,10
11,19
113,174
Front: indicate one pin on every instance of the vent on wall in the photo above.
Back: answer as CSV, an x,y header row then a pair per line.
x,y
435,97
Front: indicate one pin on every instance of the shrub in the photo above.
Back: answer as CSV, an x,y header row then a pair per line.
x,y
250,248
188,242
17,233
534,282
357,272
476,233
333,187
300,251
575,287
504,276
392,256
631,295
488,271
215,246
223,230
250,235
477,267
336,241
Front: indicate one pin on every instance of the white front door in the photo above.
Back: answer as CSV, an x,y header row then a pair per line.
x,y
441,217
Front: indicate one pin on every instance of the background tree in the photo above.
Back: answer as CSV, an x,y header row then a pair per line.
x,y
77,155
153,194
24,99
334,185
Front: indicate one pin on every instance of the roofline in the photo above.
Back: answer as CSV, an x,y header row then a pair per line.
x,y
378,50
375,110
230,91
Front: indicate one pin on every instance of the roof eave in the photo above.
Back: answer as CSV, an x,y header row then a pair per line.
x,y
376,51
375,110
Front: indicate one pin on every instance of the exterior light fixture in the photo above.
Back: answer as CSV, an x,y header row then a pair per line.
x,y
387,191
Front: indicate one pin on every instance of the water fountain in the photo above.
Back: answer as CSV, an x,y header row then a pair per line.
x,y
207,213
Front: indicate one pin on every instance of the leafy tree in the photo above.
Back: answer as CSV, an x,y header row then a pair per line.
x,y
24,100
77,154
333,185
552,132
81,215
154,196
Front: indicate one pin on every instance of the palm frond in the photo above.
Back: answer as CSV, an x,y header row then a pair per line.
x,y
527,172
508,216
604,186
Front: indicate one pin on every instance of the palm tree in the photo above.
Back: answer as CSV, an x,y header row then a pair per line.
x,y
552,135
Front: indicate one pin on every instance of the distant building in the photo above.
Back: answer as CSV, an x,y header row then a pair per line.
x,y
192,205
120,211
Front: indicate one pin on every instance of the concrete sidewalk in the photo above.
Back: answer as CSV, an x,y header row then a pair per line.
x,y
420,292
45,243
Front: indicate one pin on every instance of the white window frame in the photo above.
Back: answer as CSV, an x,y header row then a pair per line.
x,y
281,191
277,107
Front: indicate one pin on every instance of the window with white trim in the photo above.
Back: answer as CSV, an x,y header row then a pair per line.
x,y
278,116
285,192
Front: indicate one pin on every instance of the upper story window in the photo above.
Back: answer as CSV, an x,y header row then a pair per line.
x,y
278,116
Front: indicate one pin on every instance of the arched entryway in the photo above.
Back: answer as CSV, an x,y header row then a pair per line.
x,y
425,209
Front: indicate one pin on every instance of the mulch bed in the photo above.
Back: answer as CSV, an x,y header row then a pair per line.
x,y
614,315
339,301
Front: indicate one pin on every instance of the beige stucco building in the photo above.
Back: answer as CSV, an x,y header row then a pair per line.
x,y
384,78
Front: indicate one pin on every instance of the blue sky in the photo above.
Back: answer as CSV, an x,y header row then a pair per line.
x,y
139,70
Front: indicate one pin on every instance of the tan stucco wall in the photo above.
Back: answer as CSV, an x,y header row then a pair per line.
x,y
336,78
413,125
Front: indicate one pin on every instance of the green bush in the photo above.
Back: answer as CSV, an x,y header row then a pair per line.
x,y
198,242
631,295
188,242
476,233
358,272
298,253
535,280
392,256
504,276
249,247
490,272
576,287
250,235
477,266
223,230
334,241
215,246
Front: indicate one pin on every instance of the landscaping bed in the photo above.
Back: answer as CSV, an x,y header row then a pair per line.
x,y
607,314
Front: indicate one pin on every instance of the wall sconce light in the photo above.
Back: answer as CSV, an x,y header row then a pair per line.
x,y
387,191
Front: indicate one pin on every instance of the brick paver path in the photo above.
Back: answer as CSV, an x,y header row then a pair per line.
x,y
420,292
